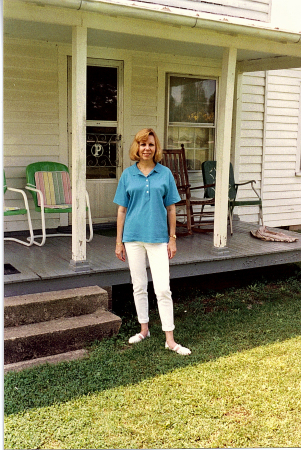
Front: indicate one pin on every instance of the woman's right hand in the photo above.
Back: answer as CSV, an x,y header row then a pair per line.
x,y
120,251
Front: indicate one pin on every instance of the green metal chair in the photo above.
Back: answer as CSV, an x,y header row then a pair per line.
x,y
16,211
209,176
49,184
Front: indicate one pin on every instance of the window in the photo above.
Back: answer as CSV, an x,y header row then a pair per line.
x,y
192,118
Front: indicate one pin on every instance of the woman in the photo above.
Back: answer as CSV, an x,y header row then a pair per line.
x,y
146,195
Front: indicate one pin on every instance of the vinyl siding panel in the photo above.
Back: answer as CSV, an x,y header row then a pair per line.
x,y
31,118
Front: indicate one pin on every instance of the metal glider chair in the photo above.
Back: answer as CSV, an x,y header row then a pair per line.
x,y
175,160
16,211
49,184
209,176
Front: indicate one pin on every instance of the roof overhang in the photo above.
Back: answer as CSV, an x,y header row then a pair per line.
x,y
147,26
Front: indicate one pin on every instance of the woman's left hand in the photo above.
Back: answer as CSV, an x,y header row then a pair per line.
x,y
171,248
120,251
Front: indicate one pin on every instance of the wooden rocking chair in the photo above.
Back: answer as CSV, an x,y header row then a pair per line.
x,y
49,184
187,217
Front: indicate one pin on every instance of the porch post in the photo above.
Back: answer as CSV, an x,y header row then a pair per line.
x,y
79,70
223,147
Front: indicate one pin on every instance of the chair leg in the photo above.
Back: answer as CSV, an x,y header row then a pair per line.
x,y
43,235
231,220
30,239
260,216
89,218
189,216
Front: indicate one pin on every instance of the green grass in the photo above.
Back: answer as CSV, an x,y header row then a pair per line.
x,y
241,387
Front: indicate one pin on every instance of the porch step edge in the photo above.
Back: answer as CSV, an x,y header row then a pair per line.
x,y
45,306
58,336
51,359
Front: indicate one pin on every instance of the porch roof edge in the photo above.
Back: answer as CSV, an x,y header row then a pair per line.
x,y
177,16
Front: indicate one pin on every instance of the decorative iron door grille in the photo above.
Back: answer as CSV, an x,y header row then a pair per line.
x,y
102,152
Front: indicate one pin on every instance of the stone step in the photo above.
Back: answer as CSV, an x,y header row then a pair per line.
x,y
57,336
45,306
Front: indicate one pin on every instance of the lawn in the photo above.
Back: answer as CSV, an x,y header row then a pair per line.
x,y
241,387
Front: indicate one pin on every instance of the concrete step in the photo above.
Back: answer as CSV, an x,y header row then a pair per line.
x,y
52,359
33,308
57,336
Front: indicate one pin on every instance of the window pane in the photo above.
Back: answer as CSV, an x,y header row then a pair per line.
x,y
187,137
205,144
192,100
198,143
173,137
101,93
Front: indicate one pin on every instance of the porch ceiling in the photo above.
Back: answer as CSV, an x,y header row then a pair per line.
x,y
21,29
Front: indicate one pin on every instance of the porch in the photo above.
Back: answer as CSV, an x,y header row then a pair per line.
x,y
47,268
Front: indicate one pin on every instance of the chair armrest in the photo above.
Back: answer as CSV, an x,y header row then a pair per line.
x,y
252,186
203,187
30,188
246,182
23,194
185,186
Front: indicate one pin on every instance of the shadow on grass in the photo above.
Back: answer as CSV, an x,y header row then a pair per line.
x,y
213,324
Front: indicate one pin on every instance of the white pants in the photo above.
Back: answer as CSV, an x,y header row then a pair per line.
x,y
159,266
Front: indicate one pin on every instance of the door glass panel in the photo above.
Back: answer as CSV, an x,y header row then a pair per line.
x,y
101,93
101,135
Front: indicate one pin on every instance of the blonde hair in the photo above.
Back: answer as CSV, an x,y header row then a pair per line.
x,y
142,137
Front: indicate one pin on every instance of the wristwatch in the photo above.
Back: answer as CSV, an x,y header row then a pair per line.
x,y
173,236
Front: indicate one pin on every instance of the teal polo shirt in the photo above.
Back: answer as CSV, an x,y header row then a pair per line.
x,y
146,199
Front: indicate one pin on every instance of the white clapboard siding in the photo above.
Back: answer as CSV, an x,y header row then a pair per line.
x,y
251,141
282,189
276,119
250,159
247,151
31,118
250,116
274,159
248,9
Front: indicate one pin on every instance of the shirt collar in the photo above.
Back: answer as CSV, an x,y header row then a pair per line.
x,y
136,171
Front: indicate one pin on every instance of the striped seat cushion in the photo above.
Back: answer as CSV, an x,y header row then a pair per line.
x,y
56,189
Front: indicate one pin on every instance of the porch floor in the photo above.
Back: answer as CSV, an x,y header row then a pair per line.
x,y
47,268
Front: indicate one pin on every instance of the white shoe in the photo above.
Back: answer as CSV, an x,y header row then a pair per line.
x,y
179,349
138,338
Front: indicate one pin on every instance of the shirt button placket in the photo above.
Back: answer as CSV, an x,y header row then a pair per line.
x,y
147,187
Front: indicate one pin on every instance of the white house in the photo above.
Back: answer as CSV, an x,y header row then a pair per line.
x,y
81,77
